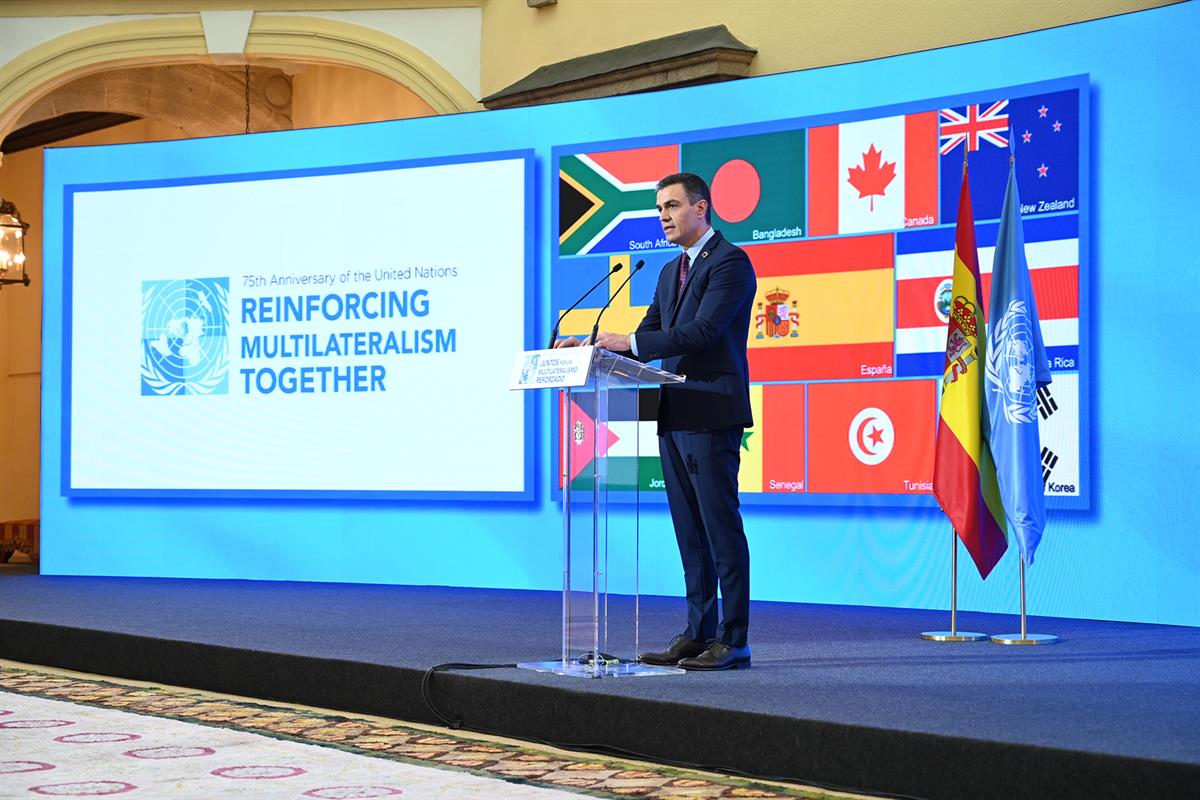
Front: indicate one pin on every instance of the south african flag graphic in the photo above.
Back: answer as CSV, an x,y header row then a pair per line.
x,y
606,200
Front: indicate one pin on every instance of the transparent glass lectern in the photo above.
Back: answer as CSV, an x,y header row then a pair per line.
x,y
602,452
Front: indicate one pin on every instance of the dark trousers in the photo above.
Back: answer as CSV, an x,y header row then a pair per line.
x,y
700,472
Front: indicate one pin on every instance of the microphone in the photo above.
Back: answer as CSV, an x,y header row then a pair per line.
x,y
596,328
554,333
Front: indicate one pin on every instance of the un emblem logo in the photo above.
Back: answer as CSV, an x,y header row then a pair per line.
x,y
185,327
1010,367
531,363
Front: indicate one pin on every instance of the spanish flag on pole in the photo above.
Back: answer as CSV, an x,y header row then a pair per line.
x,y
964,474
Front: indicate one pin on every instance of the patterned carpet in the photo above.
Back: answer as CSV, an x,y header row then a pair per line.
x,y
64,734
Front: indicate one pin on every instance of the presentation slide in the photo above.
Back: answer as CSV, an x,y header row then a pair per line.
x,y
849,222
318,331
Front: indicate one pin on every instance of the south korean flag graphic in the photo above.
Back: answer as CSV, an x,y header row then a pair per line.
x,y
1058,426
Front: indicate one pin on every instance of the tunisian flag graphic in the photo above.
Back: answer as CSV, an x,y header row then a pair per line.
x,y
872,437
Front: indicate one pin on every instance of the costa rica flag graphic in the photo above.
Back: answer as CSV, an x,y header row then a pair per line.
x,y
872,437
924,260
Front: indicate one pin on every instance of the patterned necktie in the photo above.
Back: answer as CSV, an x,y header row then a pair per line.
x,y
684,263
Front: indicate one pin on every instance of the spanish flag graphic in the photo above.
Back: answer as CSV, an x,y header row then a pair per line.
x,y
824,309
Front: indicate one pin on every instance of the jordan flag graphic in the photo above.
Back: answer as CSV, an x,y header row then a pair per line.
x,y
874,175
628,443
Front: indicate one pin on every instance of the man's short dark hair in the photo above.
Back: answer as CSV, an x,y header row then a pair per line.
x,y
693,186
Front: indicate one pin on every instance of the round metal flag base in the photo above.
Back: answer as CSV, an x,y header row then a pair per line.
x,y
1029,638
953,636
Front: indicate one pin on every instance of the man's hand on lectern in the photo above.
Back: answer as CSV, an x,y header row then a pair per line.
x,y
614,342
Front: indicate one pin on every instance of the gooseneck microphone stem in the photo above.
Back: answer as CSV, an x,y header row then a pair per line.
x,y
596,328
554,332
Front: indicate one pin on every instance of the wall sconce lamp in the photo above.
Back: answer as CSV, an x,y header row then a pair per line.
x,y
12,245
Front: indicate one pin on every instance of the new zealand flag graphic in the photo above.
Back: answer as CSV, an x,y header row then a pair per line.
x,y
1045,130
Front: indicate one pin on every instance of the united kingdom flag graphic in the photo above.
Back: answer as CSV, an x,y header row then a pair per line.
x,y
972,126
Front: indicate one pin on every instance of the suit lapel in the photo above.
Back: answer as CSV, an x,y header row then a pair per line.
x,y
698,266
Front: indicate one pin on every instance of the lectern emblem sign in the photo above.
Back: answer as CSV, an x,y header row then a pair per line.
x,y
531,365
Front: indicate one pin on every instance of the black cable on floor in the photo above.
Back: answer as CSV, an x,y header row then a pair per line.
x,y
427,692
605,749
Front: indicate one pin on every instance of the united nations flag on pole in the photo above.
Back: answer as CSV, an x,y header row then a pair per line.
x,y
1016,368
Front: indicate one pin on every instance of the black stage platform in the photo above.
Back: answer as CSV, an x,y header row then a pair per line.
x,y
839,696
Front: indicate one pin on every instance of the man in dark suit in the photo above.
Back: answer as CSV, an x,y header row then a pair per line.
x,y
698,325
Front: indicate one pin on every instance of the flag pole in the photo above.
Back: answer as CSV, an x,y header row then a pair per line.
x,y
1024,637
954,634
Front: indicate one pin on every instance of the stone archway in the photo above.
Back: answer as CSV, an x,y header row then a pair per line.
x,y
199,99
37,73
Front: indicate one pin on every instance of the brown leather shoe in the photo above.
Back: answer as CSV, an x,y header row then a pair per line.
x,y
680,647
719,656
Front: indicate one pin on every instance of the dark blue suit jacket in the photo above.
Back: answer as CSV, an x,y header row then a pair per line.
x,y
701,333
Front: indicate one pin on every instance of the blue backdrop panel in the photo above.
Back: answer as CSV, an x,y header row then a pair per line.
x,y
1129,556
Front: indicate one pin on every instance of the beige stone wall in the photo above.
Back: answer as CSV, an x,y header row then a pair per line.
x,y
329,95
789,34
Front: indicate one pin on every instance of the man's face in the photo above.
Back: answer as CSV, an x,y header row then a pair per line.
x,y
682,221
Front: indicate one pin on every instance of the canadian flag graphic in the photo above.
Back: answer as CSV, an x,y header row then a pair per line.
x,y
874,175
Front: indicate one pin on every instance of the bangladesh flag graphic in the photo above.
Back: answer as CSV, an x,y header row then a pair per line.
x,y
757,184
606,200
